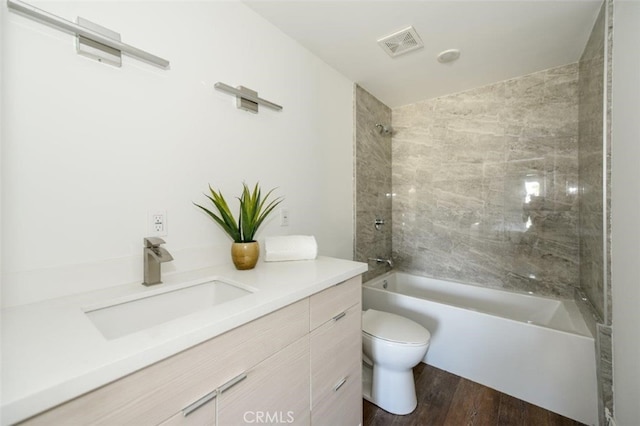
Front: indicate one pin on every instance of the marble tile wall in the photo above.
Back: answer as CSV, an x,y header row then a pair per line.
x,y
372,182
594,153
591,160
485,185
604,366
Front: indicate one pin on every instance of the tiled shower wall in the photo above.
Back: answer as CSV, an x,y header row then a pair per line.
x,y
591,160
594,150
485,184
372,182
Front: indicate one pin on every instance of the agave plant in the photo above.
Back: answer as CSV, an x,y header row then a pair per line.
x,y
253,211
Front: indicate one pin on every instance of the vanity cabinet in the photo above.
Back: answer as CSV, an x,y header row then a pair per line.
x,y
335,355
163,390
297,365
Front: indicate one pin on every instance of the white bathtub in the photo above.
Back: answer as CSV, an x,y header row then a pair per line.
x,y
534,348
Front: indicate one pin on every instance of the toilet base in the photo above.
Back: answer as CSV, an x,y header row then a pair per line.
x,y
399,394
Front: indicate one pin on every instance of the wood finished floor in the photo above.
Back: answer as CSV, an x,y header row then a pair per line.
x,y
450,400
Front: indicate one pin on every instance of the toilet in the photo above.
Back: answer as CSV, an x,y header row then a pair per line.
x,y
392,345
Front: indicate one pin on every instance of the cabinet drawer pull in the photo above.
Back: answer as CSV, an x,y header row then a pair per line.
x,y
339,385
232,382
199,403
340,315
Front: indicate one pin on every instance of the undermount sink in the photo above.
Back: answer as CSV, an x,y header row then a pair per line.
x,y
125,316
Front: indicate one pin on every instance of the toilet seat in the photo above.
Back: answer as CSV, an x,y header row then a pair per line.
x,y
394,328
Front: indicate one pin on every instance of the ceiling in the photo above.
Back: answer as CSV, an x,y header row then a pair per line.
x,y
498,40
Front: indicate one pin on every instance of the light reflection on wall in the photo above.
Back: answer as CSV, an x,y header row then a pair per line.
x,y
532,189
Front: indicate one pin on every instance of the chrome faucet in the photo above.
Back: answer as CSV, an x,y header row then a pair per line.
x,y
389,262
154,255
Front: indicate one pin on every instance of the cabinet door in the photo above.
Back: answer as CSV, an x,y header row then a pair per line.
x,y
343,406
276,391
336,347
335,353
327,304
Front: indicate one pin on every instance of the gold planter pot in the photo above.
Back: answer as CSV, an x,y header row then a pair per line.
x,y
245,255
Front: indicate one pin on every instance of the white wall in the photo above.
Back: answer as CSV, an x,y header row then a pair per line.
x,y
625,208
90,149
2,12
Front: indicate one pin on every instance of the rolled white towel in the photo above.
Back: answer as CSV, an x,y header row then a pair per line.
x,y
290,247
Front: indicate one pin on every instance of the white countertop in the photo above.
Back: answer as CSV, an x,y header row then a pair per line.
x,y
52,352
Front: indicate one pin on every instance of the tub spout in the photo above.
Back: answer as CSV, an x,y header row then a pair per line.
x,y
389,262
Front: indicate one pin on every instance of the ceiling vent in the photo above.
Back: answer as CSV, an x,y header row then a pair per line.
x,y
401,42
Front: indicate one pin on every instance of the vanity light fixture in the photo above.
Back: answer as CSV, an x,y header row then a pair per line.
x,y
246,99
94,41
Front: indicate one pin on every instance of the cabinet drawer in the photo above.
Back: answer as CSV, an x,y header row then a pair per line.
x,y
342,407
158,392
334,300
336,353
273,392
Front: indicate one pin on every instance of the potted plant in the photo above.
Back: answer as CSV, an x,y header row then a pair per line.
x,y
254,209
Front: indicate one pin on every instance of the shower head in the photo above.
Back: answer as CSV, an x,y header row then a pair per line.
x,y
384,130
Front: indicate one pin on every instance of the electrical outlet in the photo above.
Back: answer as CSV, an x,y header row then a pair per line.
x,y
158,223
284,217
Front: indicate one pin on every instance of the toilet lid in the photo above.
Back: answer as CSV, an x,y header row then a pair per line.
x,y
393,328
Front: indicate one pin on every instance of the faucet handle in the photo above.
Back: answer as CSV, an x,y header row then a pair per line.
x,y
151,242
